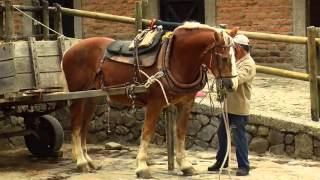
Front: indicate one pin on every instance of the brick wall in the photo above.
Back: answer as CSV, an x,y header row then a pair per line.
x,y
17,18
93,27
270,16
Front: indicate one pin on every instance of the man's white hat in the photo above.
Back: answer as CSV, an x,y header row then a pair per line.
x,y
241,39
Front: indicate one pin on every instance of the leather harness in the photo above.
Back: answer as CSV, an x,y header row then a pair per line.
x,y
173,86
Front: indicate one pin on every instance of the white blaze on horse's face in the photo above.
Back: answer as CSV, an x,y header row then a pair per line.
x,y
234,72
234,75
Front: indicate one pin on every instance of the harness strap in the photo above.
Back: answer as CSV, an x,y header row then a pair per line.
x,y
174,85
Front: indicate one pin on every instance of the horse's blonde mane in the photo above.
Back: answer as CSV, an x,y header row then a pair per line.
x,y
196,25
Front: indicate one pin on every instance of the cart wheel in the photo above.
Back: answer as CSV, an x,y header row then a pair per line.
x,y
48,137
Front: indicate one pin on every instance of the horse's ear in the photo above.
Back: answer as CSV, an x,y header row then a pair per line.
x,y
234,31
217,36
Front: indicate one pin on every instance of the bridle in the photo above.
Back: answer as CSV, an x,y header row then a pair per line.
x,y
218,57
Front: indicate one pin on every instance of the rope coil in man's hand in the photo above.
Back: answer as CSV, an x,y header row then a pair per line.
x,y
222,98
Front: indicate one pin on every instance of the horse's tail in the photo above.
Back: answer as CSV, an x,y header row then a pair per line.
x,y
62,78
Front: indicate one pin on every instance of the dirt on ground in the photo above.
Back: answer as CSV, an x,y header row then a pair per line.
x,y
281,97
120,165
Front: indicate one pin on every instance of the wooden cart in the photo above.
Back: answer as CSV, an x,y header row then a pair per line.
x,y
30,74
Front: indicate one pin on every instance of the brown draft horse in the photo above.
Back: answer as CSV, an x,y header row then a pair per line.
x,y
193,46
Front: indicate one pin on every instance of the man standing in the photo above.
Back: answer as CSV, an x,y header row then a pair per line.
x,y
238,108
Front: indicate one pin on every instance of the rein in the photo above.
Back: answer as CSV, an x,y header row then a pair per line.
x,y
219,60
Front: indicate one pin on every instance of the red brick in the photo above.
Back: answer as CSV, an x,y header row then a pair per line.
x,y
270,16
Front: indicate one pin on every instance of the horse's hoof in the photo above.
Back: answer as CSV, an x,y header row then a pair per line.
x,y
143,174
94,166
84,168
189,172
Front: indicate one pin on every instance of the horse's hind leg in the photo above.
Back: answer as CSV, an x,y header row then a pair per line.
x,y
152,113
184,109
77,108
89,110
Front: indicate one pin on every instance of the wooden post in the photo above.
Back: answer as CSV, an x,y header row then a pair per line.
x,y
138,16
45,18
36,29
8,21
318,66
61,46
34,58
58,19
170,122
313,71
144,6
1,24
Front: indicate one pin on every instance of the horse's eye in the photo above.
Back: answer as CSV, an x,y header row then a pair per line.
x,y
224,59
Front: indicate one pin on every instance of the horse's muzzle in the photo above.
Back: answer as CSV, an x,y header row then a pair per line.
x,y
230,84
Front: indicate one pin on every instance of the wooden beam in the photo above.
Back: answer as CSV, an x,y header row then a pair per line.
x,y
318,68
1,24
34,58
129,20
210,12
283,73
8,21
45,19
32,8
138,16
17,133
29,98
61,46
274,37
58,19
102,16
78,22
150,9
313,70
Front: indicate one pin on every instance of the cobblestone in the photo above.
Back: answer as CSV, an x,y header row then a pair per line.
x,y
19,165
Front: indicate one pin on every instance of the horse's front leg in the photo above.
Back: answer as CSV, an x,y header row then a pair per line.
x,y
184,109
152,113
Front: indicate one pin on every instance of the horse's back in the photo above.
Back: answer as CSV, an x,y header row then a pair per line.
x,y
85,46
81,62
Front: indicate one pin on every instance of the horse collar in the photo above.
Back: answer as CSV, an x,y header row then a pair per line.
x,y
174,85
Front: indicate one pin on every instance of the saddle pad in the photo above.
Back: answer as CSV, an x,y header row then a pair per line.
x,y
122,47
147,40
146,60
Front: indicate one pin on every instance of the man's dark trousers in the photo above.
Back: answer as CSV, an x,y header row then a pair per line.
x,y
237,125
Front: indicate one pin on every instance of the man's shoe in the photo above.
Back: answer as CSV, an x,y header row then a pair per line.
x,y
216,166
242,171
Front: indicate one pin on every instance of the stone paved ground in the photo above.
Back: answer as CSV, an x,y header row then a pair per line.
x,y
118,165
273,97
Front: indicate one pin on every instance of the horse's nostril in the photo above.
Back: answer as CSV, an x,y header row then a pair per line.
x,y
227,82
